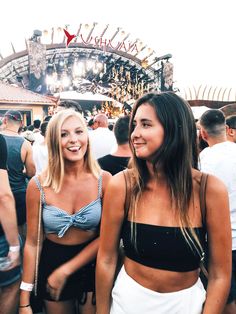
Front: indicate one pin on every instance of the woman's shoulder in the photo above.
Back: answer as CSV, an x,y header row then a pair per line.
x,y
37,181
33,181
33,188
119,181
105,175
116,189
213,184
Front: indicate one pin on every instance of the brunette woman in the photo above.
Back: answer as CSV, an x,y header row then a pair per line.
x,y
164,229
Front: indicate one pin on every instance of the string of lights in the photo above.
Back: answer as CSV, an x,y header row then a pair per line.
x,y
106,73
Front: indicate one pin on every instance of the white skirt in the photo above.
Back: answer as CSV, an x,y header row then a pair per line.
x,y
129,297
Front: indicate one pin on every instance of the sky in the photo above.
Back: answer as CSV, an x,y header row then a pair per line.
x,y
199,34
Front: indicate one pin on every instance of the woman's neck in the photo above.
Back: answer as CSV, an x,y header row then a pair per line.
x,y
159,175
74,169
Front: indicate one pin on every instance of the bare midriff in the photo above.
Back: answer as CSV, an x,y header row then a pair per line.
x,y
73,236
162,281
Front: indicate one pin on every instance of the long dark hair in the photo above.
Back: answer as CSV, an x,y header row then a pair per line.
x,y
176,157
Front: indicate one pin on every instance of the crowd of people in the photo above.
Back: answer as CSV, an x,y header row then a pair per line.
x,y
156,191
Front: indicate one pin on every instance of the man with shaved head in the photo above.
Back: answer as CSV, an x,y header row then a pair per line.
x,y
101,120
102,139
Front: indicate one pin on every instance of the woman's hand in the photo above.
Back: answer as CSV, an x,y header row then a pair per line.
x,y
10,261
56,282
14,258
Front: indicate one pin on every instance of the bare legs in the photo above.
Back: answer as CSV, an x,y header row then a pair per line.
x,y
230,308
9,298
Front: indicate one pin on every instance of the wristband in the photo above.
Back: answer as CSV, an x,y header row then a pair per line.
x,y
21,306
26,286
14,248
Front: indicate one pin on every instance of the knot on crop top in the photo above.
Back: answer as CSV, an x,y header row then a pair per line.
x,y
57,220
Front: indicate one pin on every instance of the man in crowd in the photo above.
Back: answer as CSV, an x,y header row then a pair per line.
x,y
102,139
231,129
38,138
90,124
20,163
40,151
219,159
118,160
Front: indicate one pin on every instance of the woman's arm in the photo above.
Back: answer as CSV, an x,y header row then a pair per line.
x,y
32,205
7,204
57,279
8,211
220,247
112,219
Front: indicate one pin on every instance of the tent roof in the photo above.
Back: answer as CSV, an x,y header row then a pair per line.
x,y
208,92
83,96
199,110
16,95
89,96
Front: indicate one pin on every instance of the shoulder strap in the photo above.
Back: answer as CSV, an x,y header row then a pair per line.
x,y
39,233
127,192
42,195
100,186
203,197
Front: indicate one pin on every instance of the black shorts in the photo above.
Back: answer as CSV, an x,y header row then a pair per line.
x,y
232,292
78,284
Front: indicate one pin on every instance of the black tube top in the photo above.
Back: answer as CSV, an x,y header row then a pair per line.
x,y
162,247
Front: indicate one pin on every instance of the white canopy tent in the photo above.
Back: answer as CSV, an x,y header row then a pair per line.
x,y
198,111
85,96
89,96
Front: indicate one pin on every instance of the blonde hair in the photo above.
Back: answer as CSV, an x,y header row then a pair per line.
x,y
54,173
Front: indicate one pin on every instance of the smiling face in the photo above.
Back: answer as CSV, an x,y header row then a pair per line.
x,y
148,132
74,139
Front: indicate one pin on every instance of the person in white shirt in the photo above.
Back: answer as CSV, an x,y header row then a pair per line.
x,y
38,138
103,141
40,151
219,159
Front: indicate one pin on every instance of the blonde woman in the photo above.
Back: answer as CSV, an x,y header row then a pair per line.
x,y
164,229
71,190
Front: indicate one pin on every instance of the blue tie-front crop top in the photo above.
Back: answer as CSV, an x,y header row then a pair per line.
x,y
56,220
